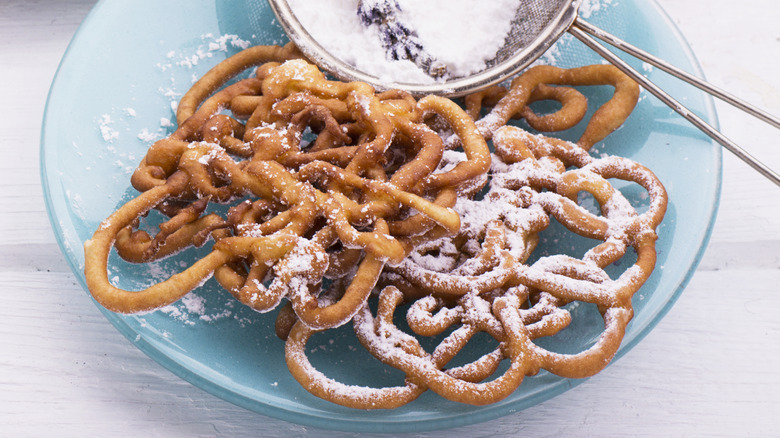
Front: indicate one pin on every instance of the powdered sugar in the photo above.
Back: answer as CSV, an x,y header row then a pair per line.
x,y
590,7
211,45
194,308
462,34
107,130
114,124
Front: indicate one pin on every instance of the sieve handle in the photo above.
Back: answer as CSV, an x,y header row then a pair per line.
x,y
680,74
583,31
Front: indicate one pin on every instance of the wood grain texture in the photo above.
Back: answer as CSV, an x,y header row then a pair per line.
x,y
710,368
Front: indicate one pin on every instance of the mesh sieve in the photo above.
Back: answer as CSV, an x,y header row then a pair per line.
x,y
536,23
536,26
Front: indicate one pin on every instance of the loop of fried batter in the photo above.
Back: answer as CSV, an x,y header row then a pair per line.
x,y
605,119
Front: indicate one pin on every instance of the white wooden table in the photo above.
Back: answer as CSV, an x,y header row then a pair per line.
x,y
711,367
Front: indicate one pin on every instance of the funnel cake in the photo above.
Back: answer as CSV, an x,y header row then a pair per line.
x,y
332,203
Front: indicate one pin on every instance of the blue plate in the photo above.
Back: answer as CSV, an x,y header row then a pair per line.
x,y
113,95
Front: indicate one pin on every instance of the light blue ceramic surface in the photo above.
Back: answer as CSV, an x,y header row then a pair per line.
x,y
112,95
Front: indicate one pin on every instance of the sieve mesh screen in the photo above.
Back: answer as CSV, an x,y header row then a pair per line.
x,y
532,20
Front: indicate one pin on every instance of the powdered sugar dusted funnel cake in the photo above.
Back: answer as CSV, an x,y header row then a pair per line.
x,y
408,36
330,204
